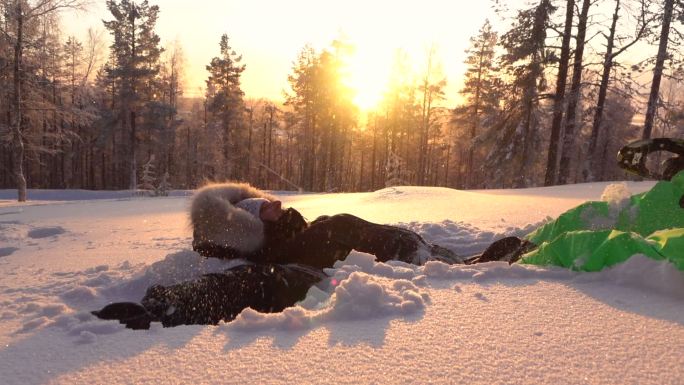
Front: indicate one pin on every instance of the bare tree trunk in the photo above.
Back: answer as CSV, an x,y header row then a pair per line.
x,y
658,70
269,156
422,146
91,169
559,98
569,135
446,167
520,181
425,123
114,160
134,165
17,139
373,153
474,124
249,142
589,163
188,172
103,169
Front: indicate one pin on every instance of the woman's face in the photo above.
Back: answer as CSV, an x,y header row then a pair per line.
x,y
271,211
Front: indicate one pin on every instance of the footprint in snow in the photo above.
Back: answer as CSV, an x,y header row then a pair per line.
x,y
481,297
5,251
44,232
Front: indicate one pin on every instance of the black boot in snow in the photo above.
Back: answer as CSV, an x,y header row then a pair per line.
x,y
442,254
426,252
508,249
131,314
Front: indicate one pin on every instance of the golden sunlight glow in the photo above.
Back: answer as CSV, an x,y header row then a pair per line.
x,y
270,34
368,77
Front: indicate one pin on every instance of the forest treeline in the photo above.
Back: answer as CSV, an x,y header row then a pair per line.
x,y
547,100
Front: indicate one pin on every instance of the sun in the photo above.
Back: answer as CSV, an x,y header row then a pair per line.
x,y
371,62
368,76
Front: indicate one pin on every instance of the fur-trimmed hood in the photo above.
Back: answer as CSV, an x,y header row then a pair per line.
x,y
215,219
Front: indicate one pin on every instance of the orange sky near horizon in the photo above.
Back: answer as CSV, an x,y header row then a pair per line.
x,y
270,33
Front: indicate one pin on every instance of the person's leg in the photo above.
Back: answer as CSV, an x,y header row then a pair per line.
x,y
216,297
330,239
221,297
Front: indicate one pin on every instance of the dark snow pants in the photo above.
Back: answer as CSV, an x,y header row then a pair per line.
x,y
217,297
328,239
324,241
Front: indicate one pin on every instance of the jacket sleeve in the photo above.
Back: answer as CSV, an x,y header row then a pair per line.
x,y
277,234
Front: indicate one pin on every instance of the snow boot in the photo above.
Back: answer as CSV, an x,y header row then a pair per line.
x,y
131,314
431,252
508,249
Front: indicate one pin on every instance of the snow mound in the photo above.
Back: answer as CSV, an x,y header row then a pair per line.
x,y
366,263
360,296
11,232
463,238
641,272
638,272
359,288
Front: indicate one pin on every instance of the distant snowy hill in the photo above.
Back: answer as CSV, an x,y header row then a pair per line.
x,y
69,252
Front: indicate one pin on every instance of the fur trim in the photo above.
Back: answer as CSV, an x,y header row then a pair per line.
x,y
216,220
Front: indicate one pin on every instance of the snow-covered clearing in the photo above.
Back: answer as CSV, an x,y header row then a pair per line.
x,y
70,252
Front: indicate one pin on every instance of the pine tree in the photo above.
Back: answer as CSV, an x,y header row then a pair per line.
x,y
225,102
431,89
322,106
338,116
164,186
133,65
397,173
515,134
148,177
400,114
481,91
302,101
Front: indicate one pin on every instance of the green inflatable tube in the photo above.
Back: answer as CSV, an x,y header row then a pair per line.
x,y
595,235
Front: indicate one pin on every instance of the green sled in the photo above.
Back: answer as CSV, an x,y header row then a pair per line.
x,y
595,235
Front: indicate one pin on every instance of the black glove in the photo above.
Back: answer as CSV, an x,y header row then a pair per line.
x,y
290,224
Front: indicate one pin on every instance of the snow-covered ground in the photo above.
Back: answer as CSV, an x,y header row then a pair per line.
x,y
71,252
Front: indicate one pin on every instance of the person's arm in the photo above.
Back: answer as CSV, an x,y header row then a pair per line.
x,y
276,235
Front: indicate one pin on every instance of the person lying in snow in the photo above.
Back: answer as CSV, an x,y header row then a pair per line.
x,y
239,221
284,256
596,235
589,237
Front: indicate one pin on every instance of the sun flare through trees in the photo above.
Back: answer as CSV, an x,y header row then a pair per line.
x,y
463,98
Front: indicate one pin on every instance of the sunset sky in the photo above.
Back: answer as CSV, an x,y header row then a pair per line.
x,y
270,33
